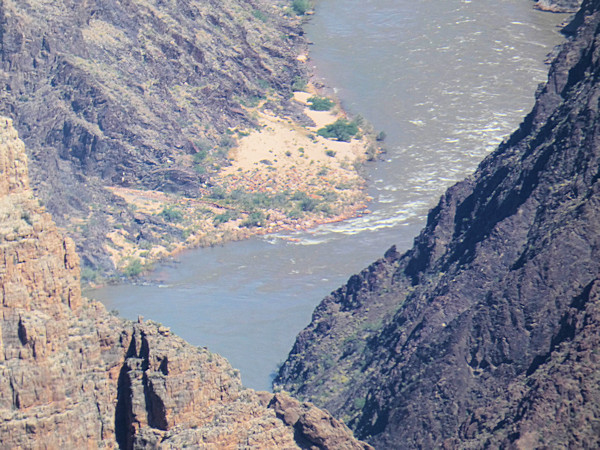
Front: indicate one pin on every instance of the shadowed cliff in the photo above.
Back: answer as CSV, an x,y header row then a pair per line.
x,y
484,333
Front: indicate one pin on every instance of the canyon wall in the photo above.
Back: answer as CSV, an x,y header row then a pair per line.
x,y
74,376
485,333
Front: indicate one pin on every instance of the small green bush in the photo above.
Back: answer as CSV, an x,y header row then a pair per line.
x,y
299,84
133,269
171,214
320,103
301,7
88,274
255,219
218,193
225,217
203,145
359,403
305,203
259,15
200,156
227,142
341,129
330,153
264,84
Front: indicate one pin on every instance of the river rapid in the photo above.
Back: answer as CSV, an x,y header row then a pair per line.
x,y
446,80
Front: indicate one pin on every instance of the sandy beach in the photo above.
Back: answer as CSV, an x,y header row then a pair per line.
x,y
317,178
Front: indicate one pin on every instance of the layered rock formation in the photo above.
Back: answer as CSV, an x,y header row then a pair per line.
x,y
122,93
74,376
485,333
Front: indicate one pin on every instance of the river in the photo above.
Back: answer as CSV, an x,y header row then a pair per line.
x,y
446,80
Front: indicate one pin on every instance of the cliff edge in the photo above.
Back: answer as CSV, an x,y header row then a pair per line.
x,y
485,333
74,376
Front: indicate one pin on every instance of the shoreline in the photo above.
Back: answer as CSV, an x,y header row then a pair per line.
x,y
280,175
298,179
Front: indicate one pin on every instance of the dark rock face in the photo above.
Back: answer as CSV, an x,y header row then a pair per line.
x,y
483,334
117,93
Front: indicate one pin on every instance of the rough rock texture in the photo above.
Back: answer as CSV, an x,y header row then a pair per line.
x,y
485,333
122,93
74,376
558,6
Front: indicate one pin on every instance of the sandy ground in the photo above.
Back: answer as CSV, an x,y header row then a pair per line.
x,y
281,156
284,155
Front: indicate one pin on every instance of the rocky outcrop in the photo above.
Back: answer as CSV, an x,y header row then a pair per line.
x,y
121,93
558,6
74,376
483,334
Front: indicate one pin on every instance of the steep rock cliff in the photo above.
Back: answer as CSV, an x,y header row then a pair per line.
x,y
122,93
482,334
74,376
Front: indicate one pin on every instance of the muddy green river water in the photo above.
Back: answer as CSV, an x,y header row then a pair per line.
x,y
446,80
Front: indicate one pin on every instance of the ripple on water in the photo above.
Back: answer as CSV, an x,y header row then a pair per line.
x,y
446,81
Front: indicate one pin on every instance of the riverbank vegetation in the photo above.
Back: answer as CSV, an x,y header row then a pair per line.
x,y
277,175
301,7
341,129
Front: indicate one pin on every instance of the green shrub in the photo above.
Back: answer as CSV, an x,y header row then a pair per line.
x,y
299,84
253,200
255,219
88,274
227,142
200,156
134,268
218,193
341,129
359,403
295,213
305,203
225,217
320,103
264,84
301,7
171,214
330,153
326,209
259,15
308,204
371,153
203,144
